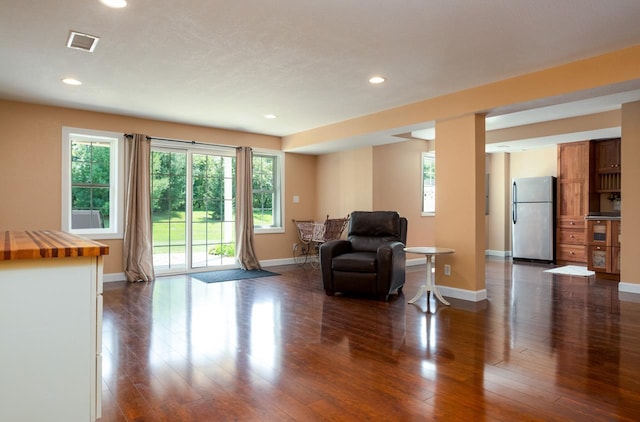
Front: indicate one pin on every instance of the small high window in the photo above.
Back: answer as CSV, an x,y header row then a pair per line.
x,y
428,183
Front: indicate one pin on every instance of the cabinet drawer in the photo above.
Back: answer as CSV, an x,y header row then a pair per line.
x,y
574,253
571,236
599,258
572,222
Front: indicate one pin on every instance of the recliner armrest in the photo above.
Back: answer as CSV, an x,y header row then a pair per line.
x,y
391,266
389,249
327,251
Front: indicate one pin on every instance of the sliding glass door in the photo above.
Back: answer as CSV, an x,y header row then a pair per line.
x,y
169,209
213,238
193,209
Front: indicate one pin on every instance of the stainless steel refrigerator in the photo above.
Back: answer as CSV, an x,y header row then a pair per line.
x,y
533,218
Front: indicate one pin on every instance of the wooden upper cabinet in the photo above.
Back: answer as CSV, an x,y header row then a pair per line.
x,y
573,161
574,179
608,156
608,167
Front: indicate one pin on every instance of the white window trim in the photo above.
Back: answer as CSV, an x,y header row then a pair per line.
x,y
422,157
116,226
279,189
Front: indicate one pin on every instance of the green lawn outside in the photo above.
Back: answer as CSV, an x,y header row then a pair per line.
x,y
170,227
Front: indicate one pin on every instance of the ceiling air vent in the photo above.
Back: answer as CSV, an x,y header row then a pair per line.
x,y
81,41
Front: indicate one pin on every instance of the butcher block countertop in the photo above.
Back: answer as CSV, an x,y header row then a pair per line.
x,y
26,244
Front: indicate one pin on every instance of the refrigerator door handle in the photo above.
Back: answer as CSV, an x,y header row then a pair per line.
x,y
514,194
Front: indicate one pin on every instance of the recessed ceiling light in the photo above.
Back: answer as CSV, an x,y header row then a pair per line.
x,y
270,116
376,80
71,81
116,4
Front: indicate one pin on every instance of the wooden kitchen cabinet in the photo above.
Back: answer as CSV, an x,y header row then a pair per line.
x,y
51,324
574,199
600,259
608,165
599,232
608,156
603,237
570,235
572,158
616,235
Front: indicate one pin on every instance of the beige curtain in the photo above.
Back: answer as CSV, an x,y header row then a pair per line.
x,y
137,250
245,253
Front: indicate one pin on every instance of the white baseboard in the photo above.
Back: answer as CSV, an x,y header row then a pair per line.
x,y
415,261
468,295
502,254
276,262
628,288
109,278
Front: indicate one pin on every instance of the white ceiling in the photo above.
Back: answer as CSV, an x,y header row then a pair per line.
x,y
226,64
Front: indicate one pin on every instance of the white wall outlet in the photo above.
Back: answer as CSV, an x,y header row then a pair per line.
x,y
447,269
296,199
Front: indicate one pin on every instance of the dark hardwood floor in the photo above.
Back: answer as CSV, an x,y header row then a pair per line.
x,y
543,347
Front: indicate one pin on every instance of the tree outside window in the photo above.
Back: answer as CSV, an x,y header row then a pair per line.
x,y
90,187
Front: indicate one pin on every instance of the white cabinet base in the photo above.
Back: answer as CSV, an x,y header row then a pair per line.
x,y
50,327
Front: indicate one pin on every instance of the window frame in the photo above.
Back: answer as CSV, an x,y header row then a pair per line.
x,y
431,155
278,188
116,183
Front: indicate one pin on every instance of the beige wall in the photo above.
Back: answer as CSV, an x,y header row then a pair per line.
x,y
300,180
30,169
397,186
534,162
386,177
498,227
344,183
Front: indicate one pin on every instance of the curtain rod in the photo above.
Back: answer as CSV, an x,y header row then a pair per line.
x,y
130,135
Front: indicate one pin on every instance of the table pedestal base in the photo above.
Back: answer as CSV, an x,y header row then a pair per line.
x,y
429,286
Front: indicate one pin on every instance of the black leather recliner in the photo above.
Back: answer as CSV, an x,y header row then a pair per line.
x,y
371,261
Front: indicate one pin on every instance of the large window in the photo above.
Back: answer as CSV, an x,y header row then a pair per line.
x,y
92,183
428,183
267,205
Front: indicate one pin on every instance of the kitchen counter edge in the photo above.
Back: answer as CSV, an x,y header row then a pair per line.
x,y
37,244
603,217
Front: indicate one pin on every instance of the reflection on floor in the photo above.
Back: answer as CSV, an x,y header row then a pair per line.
x,y
542,347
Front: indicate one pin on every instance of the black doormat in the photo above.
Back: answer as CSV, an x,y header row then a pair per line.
x,y
228,275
